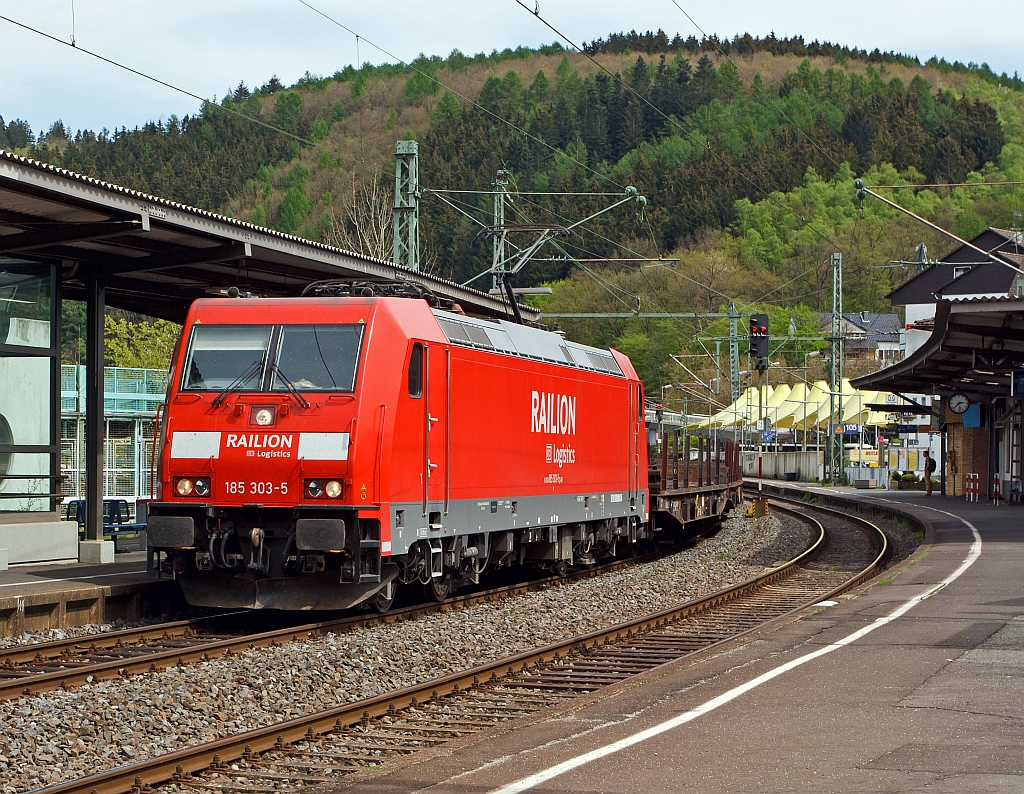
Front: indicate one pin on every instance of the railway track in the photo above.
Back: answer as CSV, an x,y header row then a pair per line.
x,y
357,739
62,664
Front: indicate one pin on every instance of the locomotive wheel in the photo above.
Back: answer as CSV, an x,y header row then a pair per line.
x,y
385,597
560,568
440,587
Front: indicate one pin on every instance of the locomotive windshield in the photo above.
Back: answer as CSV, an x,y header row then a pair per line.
x,y
317,357
222,354
273,358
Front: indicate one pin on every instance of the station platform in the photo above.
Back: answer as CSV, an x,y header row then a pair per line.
x,y
913,682
54,595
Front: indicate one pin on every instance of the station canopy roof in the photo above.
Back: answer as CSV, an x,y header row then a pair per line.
x,y
804,406
155,256
973,348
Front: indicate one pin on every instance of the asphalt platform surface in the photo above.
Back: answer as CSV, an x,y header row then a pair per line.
x,y
929,701
127,568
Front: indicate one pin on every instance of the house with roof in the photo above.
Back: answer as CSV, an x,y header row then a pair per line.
x,y
965,357
964,274
868,335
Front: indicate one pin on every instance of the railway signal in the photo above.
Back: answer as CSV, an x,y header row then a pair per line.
x,y
759,341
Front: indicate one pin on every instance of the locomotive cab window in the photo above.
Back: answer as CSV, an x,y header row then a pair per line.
x,y
220,355
317,357
416,371
257,358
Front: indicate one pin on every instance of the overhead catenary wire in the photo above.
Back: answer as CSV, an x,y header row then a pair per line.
x,y
763,93
157,80
657,263
606,284
945,184
662,264
455,207
461,96
652,301
518,192
675,122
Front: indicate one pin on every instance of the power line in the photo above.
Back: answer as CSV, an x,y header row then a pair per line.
x,y
763,93
518,192
945,184
600,280
157,80
652,301
671,120
434,79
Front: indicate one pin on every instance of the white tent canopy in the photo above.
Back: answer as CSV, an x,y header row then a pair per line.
x,y
800,407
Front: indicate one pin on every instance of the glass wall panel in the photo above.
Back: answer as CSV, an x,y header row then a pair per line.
x,y
25,398
28,406
17,479
26,294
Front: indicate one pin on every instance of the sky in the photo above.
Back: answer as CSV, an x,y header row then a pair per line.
x,y
207,47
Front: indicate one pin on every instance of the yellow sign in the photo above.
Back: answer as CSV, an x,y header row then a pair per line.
x,y
869,456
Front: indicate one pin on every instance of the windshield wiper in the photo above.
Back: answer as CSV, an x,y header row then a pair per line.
x,y
252,370
292,388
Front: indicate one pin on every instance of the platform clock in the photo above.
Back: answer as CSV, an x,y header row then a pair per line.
x,y
959,402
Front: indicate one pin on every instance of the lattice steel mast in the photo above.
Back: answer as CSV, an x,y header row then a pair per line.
x,y
406,222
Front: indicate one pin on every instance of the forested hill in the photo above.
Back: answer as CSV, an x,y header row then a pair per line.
x,y
746,163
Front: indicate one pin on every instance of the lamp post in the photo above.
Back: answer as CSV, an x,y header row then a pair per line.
x,y
661,422
812,354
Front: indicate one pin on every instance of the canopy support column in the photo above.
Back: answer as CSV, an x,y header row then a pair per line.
x,y
94,549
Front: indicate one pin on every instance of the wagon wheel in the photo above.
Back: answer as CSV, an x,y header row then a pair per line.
x,y
440,587
560,568
385,597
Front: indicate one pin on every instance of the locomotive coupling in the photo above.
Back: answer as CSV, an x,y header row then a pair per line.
x,y
256,556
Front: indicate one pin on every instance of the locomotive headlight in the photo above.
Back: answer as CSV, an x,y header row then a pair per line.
x,y
314,489
184,487
263,417
202,486
333,489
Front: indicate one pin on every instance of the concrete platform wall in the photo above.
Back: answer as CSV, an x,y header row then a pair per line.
x,y
77,606
39,541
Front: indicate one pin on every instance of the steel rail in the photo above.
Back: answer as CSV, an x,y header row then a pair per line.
x,y
883,541
135,659
180,764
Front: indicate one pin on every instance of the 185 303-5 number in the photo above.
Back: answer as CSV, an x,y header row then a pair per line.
x,y
241,488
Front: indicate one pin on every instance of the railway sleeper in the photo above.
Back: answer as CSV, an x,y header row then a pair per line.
x,y
439,720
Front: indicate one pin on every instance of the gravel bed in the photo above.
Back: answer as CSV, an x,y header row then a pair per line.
x,y
51,635
902,541
900,533
62,735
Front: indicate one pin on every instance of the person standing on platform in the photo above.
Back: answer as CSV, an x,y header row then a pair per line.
x,y
929,469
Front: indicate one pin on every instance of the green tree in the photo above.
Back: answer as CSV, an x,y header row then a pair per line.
x,y
287,110
147,344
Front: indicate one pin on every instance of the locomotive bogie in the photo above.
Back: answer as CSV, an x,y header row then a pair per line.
x,y
315,452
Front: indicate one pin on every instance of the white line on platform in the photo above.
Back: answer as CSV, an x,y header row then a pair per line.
x,y
530,782
47,580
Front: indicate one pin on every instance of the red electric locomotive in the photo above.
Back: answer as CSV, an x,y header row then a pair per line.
x,y
317,452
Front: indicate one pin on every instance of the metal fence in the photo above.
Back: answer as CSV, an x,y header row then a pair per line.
x,y
131,398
